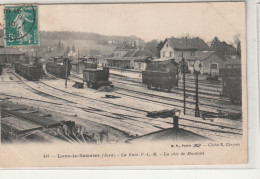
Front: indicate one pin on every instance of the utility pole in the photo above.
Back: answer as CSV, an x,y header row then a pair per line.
x,y
184,90
197,67
197,110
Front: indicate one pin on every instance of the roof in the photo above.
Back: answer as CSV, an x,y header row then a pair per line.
x,y
138,53
142,59
92,70
233,61
170,134
74,62
202,55
187,43
164,60
10,51
129,54
119,58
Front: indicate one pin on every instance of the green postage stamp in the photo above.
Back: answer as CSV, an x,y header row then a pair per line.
x,y
21,25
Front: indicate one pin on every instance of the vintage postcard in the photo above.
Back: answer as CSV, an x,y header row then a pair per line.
x,y
145,84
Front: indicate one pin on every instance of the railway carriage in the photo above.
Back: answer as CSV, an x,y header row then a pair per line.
x,y
95,78
58,70
28,71
91,65
161,73
231,82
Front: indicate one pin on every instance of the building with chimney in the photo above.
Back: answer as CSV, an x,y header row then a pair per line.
x,y
179,48
192,49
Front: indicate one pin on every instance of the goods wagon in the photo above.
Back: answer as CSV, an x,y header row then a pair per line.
x,y
231,83
161,74
58,70
91,65
95,78
28,71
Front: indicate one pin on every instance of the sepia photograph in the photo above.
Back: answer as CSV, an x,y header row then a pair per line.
x,y
123,84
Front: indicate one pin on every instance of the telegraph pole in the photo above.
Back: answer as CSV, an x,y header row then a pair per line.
x,y
197,67
197,110
184,91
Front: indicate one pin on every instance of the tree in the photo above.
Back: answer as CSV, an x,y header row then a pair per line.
x,y
152,46
73,48
219,47
59,47
68,50
237,43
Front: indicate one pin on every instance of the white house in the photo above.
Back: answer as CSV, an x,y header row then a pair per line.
x,y
179,48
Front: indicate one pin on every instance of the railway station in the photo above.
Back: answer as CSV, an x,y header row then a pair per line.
x,y
186,92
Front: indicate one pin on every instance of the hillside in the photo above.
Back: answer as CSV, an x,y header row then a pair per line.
x,y
84,42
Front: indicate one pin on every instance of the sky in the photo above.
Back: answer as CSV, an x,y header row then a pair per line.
x,y
149,20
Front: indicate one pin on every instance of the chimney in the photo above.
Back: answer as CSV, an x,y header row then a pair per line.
x,y
176,115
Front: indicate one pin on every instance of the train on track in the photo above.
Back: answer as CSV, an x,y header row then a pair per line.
x,y
95,78
161,74
59,68
31,72
231,82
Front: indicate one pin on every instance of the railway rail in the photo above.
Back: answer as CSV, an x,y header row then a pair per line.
x,y
207,108
119,116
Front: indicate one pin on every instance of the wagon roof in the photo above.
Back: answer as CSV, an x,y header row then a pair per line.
x,y
92,69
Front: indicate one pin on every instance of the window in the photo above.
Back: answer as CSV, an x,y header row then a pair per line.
x,y
213,66
166,45
170,54
163,54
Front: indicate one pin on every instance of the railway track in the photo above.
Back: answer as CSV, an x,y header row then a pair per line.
x,y
204,106
142,94
90,110
190,90
119,116
189,81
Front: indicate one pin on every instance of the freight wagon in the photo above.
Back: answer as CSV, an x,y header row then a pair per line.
x,y
95,78
91,65
231,83
58,70
161,74
28,71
